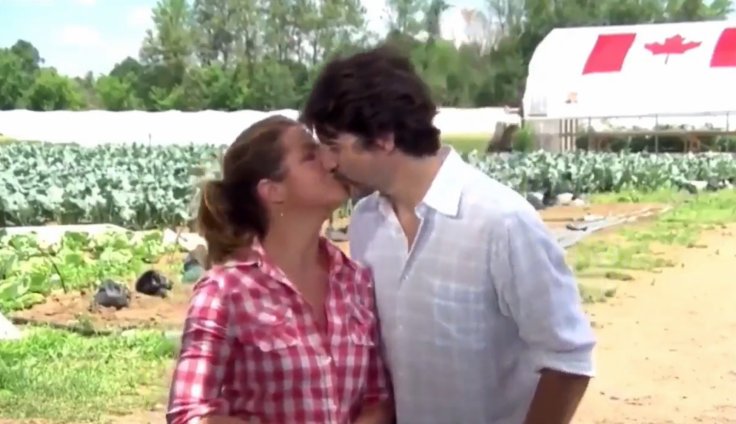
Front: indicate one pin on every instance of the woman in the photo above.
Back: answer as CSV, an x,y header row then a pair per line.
x,y
281,329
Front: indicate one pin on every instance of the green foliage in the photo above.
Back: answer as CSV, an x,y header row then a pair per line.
x,y
582,172
142,187
57,376
30,270
133,186
661,143
466,143
263,54
523,140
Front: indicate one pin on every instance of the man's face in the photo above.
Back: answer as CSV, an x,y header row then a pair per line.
x,y
352,162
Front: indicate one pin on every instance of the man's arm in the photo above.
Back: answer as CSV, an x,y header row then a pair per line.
x,y
377,413
539,292
556,398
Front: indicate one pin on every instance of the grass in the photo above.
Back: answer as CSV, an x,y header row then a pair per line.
x,y
645,246
63,377
466,143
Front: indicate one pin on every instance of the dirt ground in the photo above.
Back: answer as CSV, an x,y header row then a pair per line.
x,y
666,344
665,350
666,347
146,311
73,309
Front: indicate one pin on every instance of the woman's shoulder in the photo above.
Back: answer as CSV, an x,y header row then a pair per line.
x,y
227,277
339,257
348,270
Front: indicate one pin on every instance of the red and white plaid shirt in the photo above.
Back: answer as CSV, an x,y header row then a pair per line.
x,y
252,349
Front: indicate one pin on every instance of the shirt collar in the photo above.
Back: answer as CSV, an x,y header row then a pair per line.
x,y
255,255
445,192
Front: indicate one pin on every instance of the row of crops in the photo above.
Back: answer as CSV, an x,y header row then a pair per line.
x,y
140,186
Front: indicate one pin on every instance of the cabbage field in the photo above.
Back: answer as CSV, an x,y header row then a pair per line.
x,y
142,187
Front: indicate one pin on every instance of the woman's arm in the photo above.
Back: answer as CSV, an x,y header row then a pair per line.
x,y
201,367
377,406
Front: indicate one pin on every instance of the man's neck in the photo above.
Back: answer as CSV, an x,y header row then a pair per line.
x,y
412,181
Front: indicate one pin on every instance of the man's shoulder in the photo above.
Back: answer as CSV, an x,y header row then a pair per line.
x,y
487,197
365,207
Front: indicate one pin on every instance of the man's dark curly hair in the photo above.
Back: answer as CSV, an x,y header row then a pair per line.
x,y
371,94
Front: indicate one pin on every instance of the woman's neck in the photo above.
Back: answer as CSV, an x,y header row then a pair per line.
x,y
293,244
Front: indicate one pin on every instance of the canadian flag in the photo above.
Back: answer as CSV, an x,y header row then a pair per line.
x,y
610,50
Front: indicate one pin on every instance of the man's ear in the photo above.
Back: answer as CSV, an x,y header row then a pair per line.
x,y
385,143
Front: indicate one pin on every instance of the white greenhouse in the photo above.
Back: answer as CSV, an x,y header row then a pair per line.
x,y
675,78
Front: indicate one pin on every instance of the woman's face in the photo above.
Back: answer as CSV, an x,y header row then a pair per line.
x,y
308,183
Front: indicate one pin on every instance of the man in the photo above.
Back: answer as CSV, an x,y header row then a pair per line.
x,y
480,315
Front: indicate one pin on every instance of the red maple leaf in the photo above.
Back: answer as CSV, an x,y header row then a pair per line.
x,y
672,45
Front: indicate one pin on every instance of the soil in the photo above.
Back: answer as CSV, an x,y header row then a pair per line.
x,y
665,351
73,309
146,311
665,344
559,216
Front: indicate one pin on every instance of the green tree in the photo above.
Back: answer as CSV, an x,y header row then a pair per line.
x,y
51,91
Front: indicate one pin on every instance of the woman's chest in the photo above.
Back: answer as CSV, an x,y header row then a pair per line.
x,y
285,335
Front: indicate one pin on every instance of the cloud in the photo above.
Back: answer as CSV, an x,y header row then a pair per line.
x,y
86,2
80,36
140,17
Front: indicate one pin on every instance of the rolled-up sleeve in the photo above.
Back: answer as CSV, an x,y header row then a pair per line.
x,y
538,291
205,352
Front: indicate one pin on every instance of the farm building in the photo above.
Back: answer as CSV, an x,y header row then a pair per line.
x,y
660,81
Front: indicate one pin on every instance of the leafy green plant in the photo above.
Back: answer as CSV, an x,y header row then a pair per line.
x,y
30,271
143,187
587,172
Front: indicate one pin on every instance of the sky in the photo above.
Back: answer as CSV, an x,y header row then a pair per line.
x,y
77,36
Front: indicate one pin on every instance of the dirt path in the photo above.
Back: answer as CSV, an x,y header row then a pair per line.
x,y
667,345
667,351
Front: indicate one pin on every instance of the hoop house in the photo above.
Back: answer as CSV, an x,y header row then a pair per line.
x,y
632,71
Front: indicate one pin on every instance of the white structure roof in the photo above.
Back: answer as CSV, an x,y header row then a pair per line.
x,y
640,70
89,128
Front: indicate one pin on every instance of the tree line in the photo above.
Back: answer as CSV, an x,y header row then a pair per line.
x,y
263,54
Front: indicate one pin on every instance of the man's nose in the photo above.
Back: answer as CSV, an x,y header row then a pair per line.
x,y
328,158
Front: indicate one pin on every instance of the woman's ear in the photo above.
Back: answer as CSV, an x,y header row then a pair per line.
x,y
271,192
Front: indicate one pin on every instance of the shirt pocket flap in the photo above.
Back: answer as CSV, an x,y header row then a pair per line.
x,y
274,327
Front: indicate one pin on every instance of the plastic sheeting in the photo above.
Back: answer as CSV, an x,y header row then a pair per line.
x,y
628,71
90,128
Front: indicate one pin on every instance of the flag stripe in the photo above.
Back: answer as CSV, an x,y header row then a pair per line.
x,y
724,55
609,53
